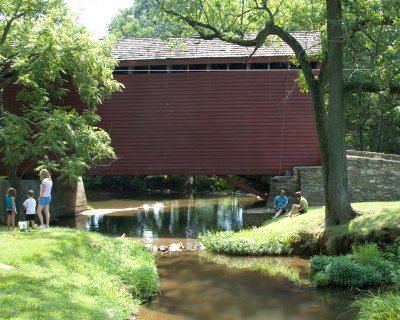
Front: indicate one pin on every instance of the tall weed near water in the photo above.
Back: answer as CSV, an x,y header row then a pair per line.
x,y
366,252
379,306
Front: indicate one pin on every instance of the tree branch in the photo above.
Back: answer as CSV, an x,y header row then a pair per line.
x,y
369,86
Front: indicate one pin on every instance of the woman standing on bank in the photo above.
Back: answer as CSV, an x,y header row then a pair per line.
x,y
44,198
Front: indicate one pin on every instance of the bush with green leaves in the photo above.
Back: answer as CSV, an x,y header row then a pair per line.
x,y
364,267
392,252
319,263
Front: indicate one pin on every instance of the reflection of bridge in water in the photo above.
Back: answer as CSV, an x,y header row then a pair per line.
x,y
181,218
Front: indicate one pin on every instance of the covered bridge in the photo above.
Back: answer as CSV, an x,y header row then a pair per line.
x,y
192,106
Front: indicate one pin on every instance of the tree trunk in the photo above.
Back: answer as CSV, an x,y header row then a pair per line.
x,y
338,209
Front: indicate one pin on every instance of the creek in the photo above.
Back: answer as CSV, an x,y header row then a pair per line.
x,y
196,284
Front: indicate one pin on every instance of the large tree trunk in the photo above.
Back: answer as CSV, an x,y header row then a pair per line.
x,y
338,209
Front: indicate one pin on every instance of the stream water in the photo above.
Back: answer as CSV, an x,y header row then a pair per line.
x,y
198,285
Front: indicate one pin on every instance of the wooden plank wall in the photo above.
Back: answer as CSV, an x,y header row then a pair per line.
x,y
241,122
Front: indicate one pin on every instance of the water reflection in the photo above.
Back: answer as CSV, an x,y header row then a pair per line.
x,y
179,218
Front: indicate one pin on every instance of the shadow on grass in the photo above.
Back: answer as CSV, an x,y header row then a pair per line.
x,y
375,224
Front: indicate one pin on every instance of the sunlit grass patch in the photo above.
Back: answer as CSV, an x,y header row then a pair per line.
x,y
306,234
69,274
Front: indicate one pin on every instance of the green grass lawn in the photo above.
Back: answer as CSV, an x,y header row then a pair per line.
x,y
62,273
306,234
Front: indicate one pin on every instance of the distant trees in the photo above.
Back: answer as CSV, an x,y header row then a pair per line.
x,y
144,19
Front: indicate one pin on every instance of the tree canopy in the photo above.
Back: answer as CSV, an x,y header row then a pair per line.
x,y
48,55
144,19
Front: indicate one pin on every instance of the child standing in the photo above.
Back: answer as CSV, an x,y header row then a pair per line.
x,y
44,198
30,207
11,210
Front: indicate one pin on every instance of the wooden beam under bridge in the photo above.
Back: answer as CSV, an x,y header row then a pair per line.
x,y
245,187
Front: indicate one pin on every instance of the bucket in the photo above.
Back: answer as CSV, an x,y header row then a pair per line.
x,y
23,225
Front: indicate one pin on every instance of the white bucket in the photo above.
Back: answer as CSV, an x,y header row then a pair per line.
x,y
23,225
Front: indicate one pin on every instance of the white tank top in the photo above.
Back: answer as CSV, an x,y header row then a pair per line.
x,y
48,184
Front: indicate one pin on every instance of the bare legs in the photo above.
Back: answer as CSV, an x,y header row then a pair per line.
x,y
39,214
11,220
278,213
295,210
46,212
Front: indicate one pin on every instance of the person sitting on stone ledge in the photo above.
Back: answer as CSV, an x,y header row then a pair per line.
x,y
280,204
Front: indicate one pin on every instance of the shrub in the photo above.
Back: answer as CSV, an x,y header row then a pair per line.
x,y
366,252
344,272
379,307
392,253
363,268
387,271
319,263
321,278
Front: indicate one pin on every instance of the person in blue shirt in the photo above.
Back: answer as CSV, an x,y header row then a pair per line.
x,y
280,204
11,210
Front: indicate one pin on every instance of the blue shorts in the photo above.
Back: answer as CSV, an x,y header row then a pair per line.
x,y
44,201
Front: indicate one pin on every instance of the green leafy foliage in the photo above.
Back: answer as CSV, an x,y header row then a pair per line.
x,y
364,267
49,55
319,263
366,253
144,20
392,252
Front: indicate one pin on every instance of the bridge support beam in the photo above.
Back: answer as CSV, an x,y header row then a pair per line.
x,y
245,187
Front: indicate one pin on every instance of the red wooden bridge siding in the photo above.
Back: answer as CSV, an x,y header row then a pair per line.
x,y
245,122
209,123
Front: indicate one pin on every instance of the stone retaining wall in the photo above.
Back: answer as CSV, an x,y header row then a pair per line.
x,y
372,177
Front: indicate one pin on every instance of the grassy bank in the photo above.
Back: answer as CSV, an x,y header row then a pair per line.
x,y
68,274
306,235
377,223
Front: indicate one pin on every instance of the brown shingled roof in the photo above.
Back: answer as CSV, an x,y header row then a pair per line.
x,y
186,48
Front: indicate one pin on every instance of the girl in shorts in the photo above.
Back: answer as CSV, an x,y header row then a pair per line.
x,y
44,198
11,210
